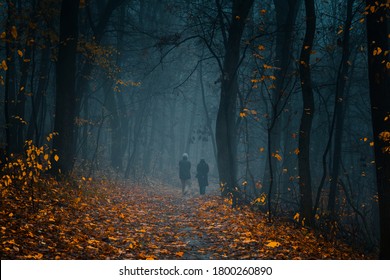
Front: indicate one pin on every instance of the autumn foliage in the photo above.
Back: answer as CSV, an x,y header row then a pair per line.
x,y
101,219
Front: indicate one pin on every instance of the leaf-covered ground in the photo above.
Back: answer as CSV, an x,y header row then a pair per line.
x,y
101,220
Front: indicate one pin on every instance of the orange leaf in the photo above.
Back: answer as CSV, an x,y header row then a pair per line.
x,y
14,32
273,244
4,65
180,254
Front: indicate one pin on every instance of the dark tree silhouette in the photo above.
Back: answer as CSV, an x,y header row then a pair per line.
x,y
226,138
307,116
65,87
379,78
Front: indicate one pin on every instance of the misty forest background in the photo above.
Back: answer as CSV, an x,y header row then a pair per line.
x,y
287,101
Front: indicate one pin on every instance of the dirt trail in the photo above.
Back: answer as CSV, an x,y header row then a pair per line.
x,y
178,222
103,220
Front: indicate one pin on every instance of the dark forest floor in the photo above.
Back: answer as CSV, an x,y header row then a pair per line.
x,y
102,220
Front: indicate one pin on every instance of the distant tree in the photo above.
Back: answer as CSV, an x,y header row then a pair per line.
x,y
379,81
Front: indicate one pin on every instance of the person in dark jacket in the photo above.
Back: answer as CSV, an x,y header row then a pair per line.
x,y
202,173
185,172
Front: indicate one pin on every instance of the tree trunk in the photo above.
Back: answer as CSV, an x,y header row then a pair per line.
x,y
9,96
339,112
65,111
44,71
307,117
379,80
286,14
207,115
225,126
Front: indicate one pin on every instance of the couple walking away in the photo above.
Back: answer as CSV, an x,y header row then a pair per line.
x,y
202,171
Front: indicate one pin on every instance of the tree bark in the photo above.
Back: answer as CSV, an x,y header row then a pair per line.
x,y
65,111
9,96
339,112
379,81
225,126
286,13
307,117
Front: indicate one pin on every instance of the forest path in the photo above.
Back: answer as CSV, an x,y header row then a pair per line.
x,y
106,220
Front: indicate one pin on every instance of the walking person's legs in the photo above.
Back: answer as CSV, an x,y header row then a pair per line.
x,y
183,186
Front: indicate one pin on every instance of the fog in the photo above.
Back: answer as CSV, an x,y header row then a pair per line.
x,y
280,112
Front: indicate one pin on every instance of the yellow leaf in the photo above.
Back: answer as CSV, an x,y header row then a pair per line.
x,y
38,256
242,114
372,9
273,244
3,35
249,240
46,157
4,65
388,65
14,32
296,217
296,151
20,53
56,157
179,254
277,156
377,51
272,77
261,149
372,144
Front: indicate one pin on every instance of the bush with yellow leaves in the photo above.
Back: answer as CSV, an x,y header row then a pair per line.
x,y
24,172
